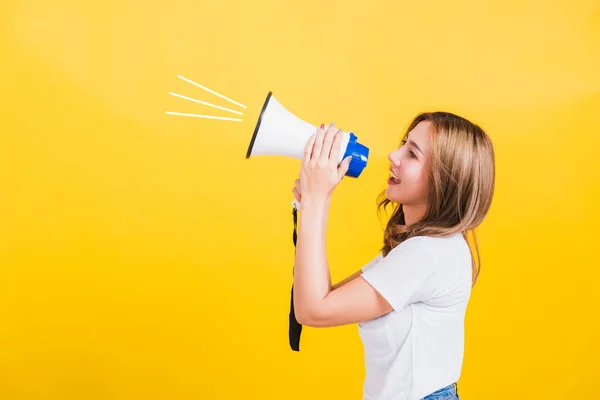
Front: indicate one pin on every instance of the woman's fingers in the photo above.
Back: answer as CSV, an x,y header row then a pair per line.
x,y
318,144
297,191
296,194
308,149
335,148
327,142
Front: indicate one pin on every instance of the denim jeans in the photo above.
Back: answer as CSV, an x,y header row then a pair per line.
x,y
450,392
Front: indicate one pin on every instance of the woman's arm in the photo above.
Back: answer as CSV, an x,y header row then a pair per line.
x,y
312,280
315,302
347,279
296,190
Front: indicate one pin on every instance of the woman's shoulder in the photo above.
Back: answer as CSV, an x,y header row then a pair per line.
x,y
425,240
432,246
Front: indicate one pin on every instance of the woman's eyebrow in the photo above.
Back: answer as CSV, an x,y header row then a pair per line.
x,y
416,146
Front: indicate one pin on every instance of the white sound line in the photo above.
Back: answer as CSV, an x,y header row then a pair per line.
x,y
203,116
205,103
211,91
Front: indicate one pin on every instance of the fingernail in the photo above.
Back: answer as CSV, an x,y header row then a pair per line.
x,y
322,126
332,124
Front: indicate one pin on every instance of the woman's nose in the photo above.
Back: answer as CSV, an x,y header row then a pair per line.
x,y
394,158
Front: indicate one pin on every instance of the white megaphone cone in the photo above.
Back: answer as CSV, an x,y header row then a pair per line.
x,y
278,132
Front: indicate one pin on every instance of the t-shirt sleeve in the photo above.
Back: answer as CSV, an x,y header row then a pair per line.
x,y
371,263
405,275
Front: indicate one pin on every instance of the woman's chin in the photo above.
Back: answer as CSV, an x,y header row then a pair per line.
x,y
391,195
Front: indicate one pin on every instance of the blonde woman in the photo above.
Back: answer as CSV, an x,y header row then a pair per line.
x,y
410,300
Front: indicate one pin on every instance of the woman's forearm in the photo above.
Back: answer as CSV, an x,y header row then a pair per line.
x,y
312,280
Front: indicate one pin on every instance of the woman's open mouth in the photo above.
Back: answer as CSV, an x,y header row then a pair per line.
x,y
393,180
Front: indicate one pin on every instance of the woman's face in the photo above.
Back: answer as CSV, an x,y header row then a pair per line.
x,y
409,181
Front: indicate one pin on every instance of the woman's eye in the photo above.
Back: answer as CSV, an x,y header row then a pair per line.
x,y
411,153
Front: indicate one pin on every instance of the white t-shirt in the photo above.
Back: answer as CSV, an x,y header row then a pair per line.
x,y
417,348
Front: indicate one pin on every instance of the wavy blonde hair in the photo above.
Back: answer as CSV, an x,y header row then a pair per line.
x,y
462,178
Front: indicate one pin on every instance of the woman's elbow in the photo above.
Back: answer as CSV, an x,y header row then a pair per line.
x,y
306,318
314,320
302,318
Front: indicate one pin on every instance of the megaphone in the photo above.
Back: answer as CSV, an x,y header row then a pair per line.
x,y
278,132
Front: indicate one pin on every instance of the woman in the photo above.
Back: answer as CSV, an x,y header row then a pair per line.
x,y
410,300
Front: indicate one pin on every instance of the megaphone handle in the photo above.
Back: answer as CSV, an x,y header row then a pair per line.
x,y
296,206
295,328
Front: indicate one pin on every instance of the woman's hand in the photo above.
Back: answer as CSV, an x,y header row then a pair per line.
x,y
319,171
297,191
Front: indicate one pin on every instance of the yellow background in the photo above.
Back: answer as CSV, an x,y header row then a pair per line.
x,y
143,257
